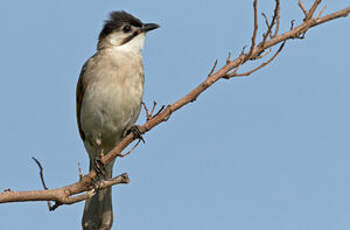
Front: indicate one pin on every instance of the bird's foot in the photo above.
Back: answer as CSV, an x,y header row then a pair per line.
x,y
100,170
137,133
99,167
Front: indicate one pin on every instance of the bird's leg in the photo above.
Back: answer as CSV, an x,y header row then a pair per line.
x,y
99,167
136,131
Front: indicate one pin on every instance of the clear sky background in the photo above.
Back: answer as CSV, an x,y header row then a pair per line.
x,y
266,152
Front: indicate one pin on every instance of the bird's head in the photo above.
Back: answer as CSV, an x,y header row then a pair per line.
x,y
123,29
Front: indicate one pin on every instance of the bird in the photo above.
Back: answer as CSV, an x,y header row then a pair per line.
x,y
108,101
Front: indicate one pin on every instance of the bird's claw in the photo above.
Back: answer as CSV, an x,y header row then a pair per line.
x,y
137,133
99,167
100,170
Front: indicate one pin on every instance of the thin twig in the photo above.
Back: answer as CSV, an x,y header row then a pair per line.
x,y
159,111
301,5
312,10
213,69
267,24
321,12
149,114
255,6
41,173
292,25
262,65
153,108
277,13
146,110
269,28
80,172
259,56
228,59
42,179
242,51
266,20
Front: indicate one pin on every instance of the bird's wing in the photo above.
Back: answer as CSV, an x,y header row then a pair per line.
x,y
81,86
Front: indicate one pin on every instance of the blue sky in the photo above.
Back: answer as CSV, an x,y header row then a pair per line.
x,y
270,151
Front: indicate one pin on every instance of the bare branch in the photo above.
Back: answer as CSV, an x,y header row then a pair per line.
x,y
61,195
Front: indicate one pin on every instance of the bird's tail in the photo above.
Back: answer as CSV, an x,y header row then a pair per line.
x,y
98,212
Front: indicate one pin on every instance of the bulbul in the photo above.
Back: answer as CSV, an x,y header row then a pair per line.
x,y
109,97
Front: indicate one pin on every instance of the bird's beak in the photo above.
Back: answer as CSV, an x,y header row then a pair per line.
x,y
148,27
145,28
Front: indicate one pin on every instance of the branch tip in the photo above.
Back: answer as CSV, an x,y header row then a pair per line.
x,y
277,14
213,68
313,9
228,59
80,172
40,172
321,12
301,5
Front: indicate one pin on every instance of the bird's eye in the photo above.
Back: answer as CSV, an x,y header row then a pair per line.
x,y
126,28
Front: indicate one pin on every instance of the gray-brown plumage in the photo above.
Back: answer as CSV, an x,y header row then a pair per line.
x,y
109,96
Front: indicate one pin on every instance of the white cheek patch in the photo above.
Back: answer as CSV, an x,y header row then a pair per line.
x,y
134,45
115,41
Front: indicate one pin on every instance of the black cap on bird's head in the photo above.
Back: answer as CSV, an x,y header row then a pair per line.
x,y
121,21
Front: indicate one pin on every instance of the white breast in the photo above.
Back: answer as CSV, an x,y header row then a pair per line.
x,y
113,98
